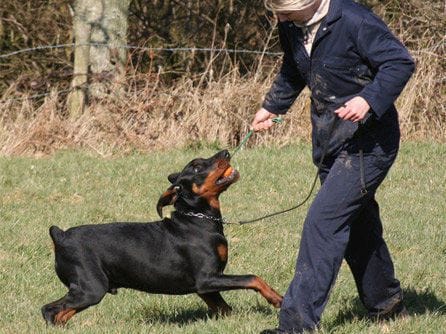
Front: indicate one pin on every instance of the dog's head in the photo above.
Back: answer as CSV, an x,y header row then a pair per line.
x,y
198,186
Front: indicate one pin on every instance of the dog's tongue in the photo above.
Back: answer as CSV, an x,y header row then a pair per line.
x,y
227,172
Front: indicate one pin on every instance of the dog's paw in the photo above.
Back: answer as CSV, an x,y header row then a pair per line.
x,y
276,300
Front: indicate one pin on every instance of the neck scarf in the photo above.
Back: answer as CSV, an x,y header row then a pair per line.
x,y
310,28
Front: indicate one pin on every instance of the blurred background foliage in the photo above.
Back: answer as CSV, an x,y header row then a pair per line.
x,y
233,24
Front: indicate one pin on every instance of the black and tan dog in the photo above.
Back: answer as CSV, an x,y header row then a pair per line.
x,y
184,254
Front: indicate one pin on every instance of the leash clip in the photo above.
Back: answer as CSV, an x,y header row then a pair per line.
x,y
277,120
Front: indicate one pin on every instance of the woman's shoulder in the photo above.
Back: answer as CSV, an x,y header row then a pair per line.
x,y
355,13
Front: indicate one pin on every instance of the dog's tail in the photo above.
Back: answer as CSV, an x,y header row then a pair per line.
x,y
57,235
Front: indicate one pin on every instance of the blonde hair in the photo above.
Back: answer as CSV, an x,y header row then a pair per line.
x,y
287,5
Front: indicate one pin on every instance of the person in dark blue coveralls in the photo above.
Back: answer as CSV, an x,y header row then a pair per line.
x,y
355,68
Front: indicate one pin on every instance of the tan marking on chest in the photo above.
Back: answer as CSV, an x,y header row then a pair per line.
x,y
208,192
222,251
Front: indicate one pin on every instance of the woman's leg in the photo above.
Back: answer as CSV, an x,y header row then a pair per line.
x,y
325,236
371,264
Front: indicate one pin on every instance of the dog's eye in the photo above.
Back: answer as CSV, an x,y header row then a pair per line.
x,y
197,169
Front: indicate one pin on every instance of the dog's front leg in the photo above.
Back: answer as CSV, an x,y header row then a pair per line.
x,y
235,282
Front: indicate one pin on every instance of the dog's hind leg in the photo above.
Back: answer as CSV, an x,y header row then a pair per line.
x,y
75,301
216,303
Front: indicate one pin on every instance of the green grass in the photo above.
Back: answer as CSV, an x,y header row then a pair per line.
x,y
74,188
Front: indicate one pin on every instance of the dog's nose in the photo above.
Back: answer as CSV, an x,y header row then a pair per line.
x,y
222,155
226,154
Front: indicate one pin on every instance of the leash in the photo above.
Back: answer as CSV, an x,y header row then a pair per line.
x,y
243,222
319,165
361,165
276,120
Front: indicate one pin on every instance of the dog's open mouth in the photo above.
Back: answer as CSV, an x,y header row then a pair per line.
x,y
230,175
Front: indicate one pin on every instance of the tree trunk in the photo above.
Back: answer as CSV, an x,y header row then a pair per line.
x,y
82,31
108,63
103,66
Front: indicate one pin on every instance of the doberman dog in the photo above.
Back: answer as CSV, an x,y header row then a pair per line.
x,y
184,254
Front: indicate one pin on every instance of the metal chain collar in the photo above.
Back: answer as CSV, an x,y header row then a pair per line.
x,y
203,216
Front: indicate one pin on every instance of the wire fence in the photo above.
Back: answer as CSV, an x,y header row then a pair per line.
x,y
430,50
141,48
128,47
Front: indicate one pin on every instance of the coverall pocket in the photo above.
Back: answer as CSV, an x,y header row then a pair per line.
x,y
341,64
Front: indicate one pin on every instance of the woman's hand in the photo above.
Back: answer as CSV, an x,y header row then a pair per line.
x,y
354,110
262,120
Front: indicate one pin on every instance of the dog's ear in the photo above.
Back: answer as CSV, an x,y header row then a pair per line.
x,y
173,177
167,198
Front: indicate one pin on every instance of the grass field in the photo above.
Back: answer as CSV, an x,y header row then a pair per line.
x,y
73,188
